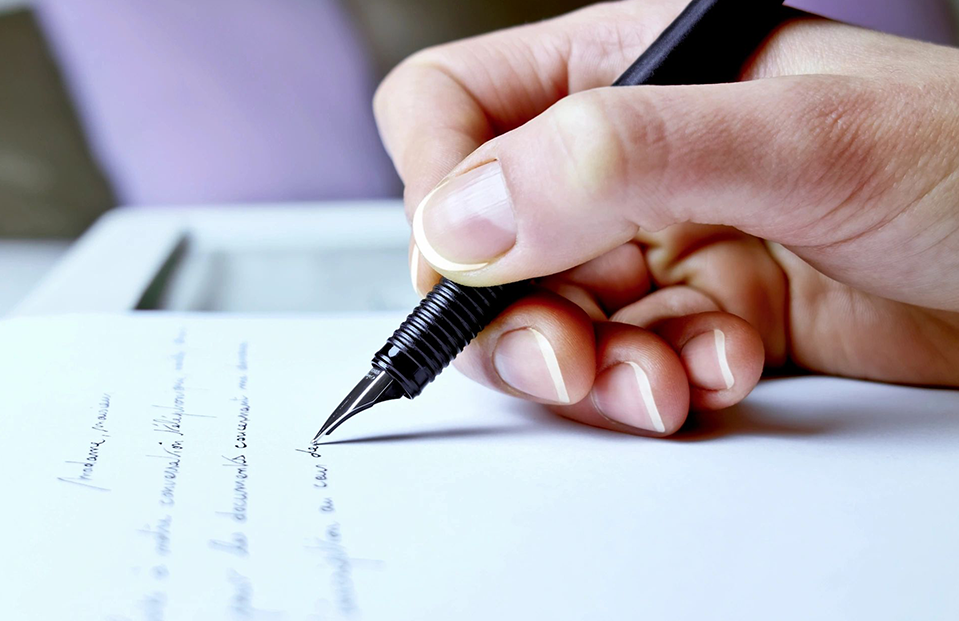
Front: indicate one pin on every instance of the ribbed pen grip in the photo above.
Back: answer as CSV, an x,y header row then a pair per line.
x,y
440,328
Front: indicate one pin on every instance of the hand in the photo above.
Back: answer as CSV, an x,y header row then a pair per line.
x,y
686,236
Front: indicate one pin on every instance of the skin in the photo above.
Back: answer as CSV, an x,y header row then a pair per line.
x,y
809,212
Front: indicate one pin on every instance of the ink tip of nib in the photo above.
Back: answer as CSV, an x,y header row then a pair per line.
x,y
322,434
375,387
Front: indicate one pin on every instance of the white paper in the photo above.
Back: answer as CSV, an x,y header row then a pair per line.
x,y
150,471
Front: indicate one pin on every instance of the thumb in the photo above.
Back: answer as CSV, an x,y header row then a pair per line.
x,y
777,158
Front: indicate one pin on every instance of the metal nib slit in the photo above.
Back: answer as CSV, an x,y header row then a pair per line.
x,y
376,387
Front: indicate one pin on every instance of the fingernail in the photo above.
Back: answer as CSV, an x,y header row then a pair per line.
x,y
526,361
624,395
415,270
467,221
706,364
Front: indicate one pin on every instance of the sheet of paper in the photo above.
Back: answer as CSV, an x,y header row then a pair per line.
x,y
152,469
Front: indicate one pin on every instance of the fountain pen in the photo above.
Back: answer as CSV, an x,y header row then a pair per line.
x,y
707,44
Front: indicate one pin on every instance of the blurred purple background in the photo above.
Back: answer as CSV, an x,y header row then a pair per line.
x,y
215,101
930,20
245,100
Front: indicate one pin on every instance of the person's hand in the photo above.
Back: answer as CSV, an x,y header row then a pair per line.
x,y
686,236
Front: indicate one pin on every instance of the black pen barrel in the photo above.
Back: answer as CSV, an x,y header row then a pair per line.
x,y
443,324
707,44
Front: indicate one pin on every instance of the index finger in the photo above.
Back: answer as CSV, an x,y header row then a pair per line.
x,y
441,104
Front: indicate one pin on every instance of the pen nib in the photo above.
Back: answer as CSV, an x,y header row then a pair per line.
x,y
376,387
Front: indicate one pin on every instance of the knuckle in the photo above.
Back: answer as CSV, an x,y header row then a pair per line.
x,y
380,99
623,29
402,74
652,132
844,144
393,97
589,141
386,91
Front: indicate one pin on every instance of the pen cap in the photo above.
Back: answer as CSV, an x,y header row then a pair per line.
x,y
707,44
440,328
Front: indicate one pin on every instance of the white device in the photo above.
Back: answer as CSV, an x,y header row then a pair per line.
x,y
323,257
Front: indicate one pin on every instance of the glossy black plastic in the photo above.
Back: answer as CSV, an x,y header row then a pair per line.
x,y
444,323
707,44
